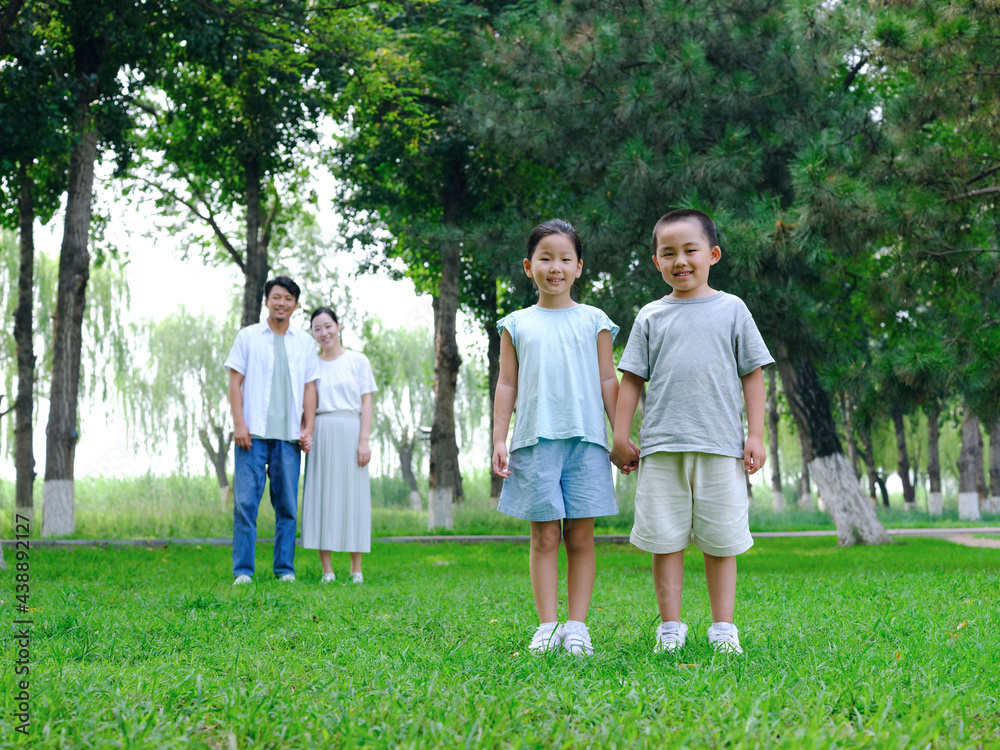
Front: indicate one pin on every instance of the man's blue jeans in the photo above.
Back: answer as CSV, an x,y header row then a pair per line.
x,y
279,461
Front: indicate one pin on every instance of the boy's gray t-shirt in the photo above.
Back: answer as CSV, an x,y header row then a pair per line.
x,y
693,352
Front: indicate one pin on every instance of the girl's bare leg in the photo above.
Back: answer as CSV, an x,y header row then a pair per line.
x,y
720,574
578,534
324,560
543,565
355,562
668,582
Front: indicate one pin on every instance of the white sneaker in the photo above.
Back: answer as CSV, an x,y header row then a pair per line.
x,y
724,638
241,579
357,578
670,637
576,639
287,578
549,636
328,578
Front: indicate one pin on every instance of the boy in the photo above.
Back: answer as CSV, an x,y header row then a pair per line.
x,y
273,369
696,347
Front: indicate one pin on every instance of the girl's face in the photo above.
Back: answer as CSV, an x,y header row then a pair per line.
x,y
554,265
325,330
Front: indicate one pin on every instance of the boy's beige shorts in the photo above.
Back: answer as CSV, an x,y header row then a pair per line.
x,y
682,498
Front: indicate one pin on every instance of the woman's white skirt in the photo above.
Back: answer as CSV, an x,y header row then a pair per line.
x,y
336,500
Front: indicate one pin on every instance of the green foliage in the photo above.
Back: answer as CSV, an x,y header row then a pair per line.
x,y
153,648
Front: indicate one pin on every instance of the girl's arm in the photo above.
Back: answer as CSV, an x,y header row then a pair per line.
x,y
503,403
624,454
364,450
609,392
754,396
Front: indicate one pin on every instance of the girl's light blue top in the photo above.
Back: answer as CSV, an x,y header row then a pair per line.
x,y
558,377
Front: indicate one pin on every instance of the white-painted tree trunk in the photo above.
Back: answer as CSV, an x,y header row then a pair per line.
x,y
3,565
57,507
850,508
224,496
935,504
415,500
439,507
992,504
968,506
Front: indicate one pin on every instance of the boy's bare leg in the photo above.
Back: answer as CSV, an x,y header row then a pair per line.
x,y
581,565
324,560
355,562
720,573
668,582
543,565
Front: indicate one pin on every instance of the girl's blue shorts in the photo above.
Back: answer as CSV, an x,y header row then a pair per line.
x,y
556,479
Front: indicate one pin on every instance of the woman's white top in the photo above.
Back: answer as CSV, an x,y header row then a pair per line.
x,y
343,381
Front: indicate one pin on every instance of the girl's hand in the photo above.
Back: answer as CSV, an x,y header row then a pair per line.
x,y
306,442
625,457
500,467
364,453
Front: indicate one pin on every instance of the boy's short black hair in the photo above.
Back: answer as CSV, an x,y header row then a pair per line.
x,y
554,226
285,283
707,225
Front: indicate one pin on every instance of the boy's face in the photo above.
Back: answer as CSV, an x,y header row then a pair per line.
x,y
683,257
554,266
280,303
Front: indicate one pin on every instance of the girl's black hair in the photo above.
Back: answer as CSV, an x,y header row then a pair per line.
x,y
554,226
320,311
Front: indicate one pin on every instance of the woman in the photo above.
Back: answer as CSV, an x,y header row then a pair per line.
x,y
336,501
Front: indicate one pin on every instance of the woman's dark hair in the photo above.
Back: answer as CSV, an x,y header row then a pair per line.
x,y
285,283
554,226
320,311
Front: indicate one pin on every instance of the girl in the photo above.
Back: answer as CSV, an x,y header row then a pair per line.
x,y
336,500
556,366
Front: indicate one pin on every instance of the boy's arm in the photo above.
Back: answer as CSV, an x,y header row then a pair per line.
x,y
310,399
240,432
503,403
624,454
753,395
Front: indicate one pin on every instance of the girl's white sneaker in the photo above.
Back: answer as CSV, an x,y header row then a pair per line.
x,y
549,636
576,638
357,578
328,578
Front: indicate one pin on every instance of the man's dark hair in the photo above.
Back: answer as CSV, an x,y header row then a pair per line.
x,y
707,225
554,226
285,283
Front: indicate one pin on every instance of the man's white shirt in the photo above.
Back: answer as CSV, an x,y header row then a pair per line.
x,y
252,356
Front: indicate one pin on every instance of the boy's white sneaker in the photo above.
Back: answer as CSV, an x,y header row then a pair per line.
x,y
724,638
287,578
576,638
328,578
357,578
549,636
242,579
670,637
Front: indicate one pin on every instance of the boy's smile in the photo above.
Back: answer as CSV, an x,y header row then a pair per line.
x,y
554,266
683,257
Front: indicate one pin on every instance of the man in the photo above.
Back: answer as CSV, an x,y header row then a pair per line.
x,y
273,370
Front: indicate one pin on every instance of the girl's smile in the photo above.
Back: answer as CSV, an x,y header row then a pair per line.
x,y
554,266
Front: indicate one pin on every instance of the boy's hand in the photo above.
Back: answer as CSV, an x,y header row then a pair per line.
x,y
500,467
625,456
305,441
753,454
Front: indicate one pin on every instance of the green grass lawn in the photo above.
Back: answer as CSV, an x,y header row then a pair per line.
x,y
888,647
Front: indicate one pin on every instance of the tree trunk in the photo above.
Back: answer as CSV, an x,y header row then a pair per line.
x,y
493,357
968,485
935,504
993,505
777,494
218,455
404,447
24,431
444,469
903,458
852,514
852,448
74,272
255,266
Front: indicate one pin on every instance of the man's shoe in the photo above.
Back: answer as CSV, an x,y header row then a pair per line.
x,y
241,579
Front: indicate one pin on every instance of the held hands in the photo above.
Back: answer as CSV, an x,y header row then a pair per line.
x,y
753,454
364,453
500,467
625,455
306,441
